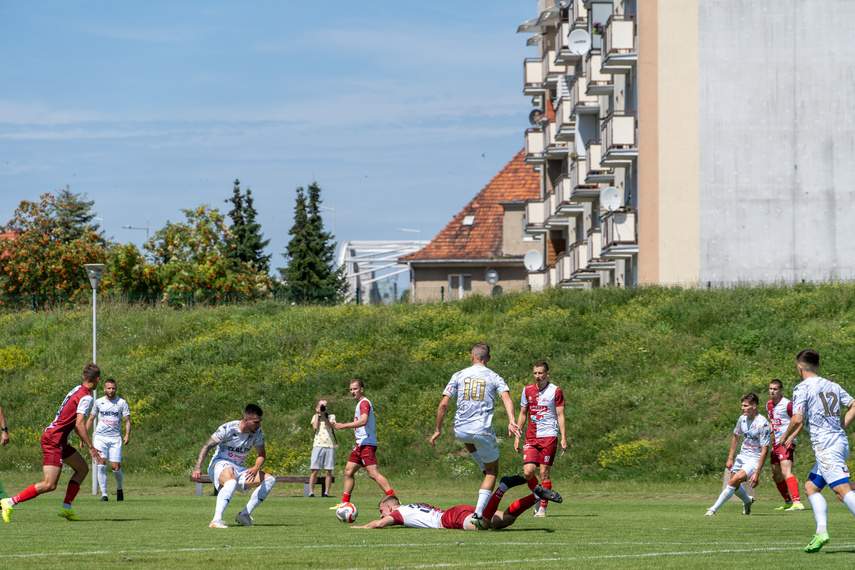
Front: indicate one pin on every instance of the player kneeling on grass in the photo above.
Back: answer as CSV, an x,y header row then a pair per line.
x,y
233,441
749,463
461,517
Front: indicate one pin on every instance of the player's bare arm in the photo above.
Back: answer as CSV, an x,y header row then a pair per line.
x,y
850,415
127,430
80,428
363,419
441,411
559,412
796,425
522,419
209,445
379,523
513,428
755,478
734,443
252,472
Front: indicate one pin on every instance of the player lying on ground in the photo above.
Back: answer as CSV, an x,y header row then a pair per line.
x,y
420,515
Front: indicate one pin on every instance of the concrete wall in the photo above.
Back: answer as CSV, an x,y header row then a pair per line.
x,y
429,280
777,140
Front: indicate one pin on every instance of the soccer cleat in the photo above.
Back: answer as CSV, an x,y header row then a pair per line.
x,y
217,523
335,507
796,507
540,513
244,520
710,513
511,481
746,507
104,498
120,496
784,507
536,509
819,540
6,505
542,492
311,494
325,495
478,521
68,514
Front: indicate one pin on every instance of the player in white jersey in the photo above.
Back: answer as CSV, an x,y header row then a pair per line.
x,y
461,517
819,403
752,456
364,454
107,439
542,406
476,389
780,410
233,441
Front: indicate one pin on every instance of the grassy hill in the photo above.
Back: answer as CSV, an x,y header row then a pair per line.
x,y
652,376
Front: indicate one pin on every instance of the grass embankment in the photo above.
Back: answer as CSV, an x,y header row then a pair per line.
x,y
652,376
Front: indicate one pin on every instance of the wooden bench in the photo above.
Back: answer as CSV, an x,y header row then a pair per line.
x,y
279,479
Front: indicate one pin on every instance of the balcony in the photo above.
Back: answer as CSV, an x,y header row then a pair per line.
x,y
595,252
620,235
565,120
563,55
536,212
563,273
534,147
565,206
551,70
538,280
598,83
553,149
580,190
620,138
532,76
620,45
580,101
594,171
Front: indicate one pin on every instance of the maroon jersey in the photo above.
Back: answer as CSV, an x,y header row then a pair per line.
x,y
76,402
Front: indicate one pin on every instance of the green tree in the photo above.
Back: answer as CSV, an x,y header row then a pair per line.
x,y
310,276
72,215
246,244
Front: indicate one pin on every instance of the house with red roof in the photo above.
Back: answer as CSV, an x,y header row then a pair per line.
x,y
481,250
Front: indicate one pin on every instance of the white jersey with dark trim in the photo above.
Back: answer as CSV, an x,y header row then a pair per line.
x,y
110,415
820,402
476,389
234,445
756,434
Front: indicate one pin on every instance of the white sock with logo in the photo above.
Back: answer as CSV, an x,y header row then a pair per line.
x,y
225,495
102,479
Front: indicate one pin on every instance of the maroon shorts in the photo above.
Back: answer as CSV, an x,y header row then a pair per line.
x,y
363,455
781,453
54,452
455,517
540,450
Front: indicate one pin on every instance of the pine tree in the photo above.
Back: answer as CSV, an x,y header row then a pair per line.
x,y
310,276
72,216
246,244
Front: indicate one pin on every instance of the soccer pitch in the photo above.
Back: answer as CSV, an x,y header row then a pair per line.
x,y
294,532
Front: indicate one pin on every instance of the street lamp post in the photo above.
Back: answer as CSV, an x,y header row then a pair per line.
x,y
94,271
129,227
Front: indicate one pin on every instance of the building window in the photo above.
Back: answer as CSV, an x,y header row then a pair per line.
x,y
458,285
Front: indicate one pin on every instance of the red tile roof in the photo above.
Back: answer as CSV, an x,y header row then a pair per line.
x,y
483,238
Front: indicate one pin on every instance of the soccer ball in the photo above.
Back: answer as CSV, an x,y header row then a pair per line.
x,y
346,512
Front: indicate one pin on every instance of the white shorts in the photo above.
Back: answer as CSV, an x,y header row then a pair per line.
x,y
323,458
110,447
747,464
215,469
830,467
486,444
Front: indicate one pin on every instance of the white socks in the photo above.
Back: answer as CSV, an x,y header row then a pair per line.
x,y
483,498
820,511
742,494
259,494
725,496
223,498
120,477
849,501
102,478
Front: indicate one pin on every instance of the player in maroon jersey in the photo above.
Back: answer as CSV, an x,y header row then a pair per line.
x,y
780,410
56,449
542,406
421,515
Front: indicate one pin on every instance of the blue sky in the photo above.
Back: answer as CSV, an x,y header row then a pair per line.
x,y
402,111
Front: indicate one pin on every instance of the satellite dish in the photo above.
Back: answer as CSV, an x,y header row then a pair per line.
x,y
563,4
611,198
578,42
533,260
537,118
491,276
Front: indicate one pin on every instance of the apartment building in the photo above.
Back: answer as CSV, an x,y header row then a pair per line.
x,y
691,142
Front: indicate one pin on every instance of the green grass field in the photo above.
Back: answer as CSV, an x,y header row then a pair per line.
x,y
652,526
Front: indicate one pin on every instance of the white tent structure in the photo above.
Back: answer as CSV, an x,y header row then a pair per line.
x,y
368,262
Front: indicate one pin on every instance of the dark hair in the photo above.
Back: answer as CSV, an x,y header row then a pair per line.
x,y
778,382
91,372
541,364
809,359
481,352
252,410
360,382
751,397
